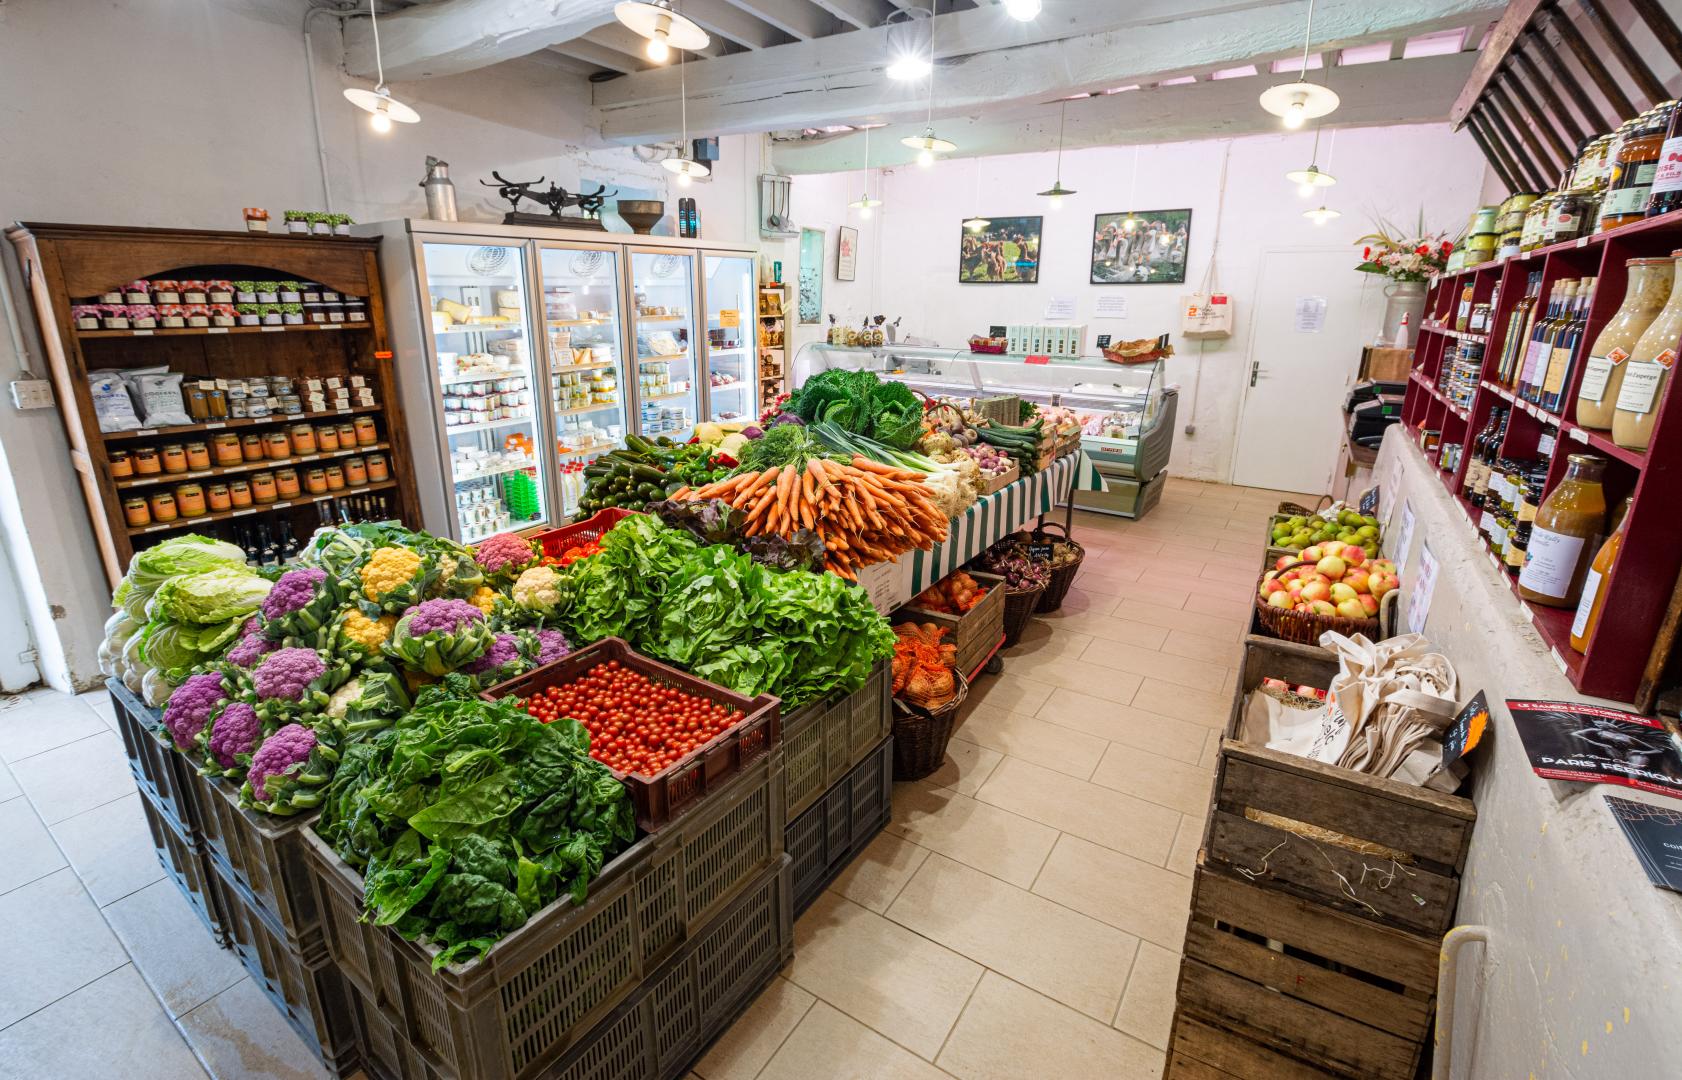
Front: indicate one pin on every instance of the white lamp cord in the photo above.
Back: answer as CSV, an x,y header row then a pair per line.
x,y
1307,36
379,64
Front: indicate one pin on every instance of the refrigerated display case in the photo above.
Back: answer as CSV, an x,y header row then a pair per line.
x,y
663,312
581,311
727,297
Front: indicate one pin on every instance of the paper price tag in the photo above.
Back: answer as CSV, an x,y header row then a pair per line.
x,y
216,330
143,333
1582,241
1580,435
279,506
242,513
144,431
330,326
271,329
218,424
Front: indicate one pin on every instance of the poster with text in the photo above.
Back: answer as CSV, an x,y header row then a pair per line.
x,y
810,299
1146,247
1005,251
847,254
1572,740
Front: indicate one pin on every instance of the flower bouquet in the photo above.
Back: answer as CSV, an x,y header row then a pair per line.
x,y
1388,251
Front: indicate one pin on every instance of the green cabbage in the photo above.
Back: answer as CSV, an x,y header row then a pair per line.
x,y
186,554
214,596
175,647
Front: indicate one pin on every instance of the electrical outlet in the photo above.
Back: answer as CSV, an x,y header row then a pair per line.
x,y
32,393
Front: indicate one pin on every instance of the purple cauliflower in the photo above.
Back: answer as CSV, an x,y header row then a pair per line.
x,y
234,732
504,554
446,615
287,673
551,645
190,706
504,650
289,746
292,591
251,648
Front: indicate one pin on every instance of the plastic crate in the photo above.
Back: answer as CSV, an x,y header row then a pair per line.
x,y
303,984
824,839
661,797
823,739
263,856
187,866
511,1013
159,771
554,542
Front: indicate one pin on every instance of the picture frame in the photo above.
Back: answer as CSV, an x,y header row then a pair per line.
x,y
846,254
809,294
1005,251
1153,252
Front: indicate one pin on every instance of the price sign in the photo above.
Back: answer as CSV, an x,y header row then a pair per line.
x,y
217,330
1369,500
143,333
1039,551
1036,360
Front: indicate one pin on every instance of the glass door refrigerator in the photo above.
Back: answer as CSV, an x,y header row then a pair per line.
x,y
729,345
588,392
662,318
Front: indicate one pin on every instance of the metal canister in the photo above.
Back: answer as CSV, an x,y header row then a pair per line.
x,y
440,192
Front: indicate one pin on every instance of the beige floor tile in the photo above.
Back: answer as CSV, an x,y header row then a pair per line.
x,y
1196,674
1107,628
1041,639
1173,560
111,849
978,834
8,784
1011,691
742,1051
1061,953
1104,816
54,943
27,851
1210,626
78,776
1212,742
1221,590
1226,652
965,769
1155,778
1042,742
1230,570
880,871
1147,1006
1239,547
1162,590
113,1019
1082,675
1138,545
1083,599
240,1033
880,973
1221,607
829,1045
1124,724
1183,859
174,953
1139,897
1211,709
33,723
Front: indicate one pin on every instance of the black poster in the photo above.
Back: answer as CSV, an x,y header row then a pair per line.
x,y
1467,731
1655,832
1568,740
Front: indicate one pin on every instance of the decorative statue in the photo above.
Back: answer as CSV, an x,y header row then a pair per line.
x,y
556,199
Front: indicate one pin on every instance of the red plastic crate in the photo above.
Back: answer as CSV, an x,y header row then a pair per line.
x,y
661,797
555,541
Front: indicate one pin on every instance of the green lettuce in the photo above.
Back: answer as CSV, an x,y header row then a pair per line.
x,y
213,596
189,553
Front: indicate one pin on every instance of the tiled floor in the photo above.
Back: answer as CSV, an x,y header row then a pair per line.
x,y
1022,915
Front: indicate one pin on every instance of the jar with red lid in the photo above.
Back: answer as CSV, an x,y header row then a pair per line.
x,y
263,489
335,478
366,433
286,482
198,456
315,481
356,472
163,506
146,461
136,512
276,446
347,436
189,500
251,447
239,493
377,469
174,458
121,464
225,447
303,439
216,496
327,437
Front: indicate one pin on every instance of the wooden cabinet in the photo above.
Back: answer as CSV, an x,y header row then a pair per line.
x,y
66,265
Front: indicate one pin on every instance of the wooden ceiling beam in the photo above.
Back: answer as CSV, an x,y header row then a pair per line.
x,y
796,18
727,20
1508,28
449,38
863,14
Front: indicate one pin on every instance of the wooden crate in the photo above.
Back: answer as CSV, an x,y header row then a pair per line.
x,y
1277,986
977,630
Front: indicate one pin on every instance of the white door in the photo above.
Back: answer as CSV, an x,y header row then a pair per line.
x,y
1312,314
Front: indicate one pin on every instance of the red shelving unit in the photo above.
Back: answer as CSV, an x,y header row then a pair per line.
x,y
1633,640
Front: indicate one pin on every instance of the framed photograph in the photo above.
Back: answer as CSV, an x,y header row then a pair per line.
x,y
1005,251
809,301
1145,247
847,254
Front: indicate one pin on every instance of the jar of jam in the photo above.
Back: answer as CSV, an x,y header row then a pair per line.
x,y
174,458
377,470
303,439
315,482
276,446
121,464
225,448
327,437
286,482
335,478
366,433
251,447
163,506
189,499
347,436
198,456
1634,168
1667,180
216,496
136,512
263,488
239,493
356,472
146,461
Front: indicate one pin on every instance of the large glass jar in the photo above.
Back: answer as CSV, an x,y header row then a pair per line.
x,y
1650,283
1634,168
1646,374
1567,523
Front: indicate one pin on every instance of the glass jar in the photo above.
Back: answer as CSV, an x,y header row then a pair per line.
x,y
163,506
189,499
1650,285
251,447
356,472
367,434
174,458
1463,314
136,512
198,456
239,493
263,488
1533,234
303,439
1588,175
1566,522
286,483
378,471
121,463
276,446
1633,169
347,436
1667,180
335,478
217,498
327,437
147,462
225,449
1570,214
1647,372
315,481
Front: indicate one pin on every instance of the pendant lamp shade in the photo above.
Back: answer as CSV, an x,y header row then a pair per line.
x,y
657,21
381,107
1311,177
929,141
1321,214
977,223
1298,102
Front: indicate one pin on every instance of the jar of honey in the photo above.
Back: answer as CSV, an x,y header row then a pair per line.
x,y
303,439
198,456
189,499
335,478
263,488
347,436
277,446
356,472
251,447
216,496
225,448
136,512
239,493
163,506
286,482
174,458
121,464
366,433
327,437
377,470
315,482
146,461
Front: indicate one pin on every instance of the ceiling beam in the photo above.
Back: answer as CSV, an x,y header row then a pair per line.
x,y
1507,31
1075,46
600,57
796,18
727,20
864,14
464,35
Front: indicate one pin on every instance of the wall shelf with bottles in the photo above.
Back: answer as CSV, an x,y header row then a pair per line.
x,y
1455,395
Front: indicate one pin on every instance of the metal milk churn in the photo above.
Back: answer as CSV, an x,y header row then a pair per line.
x,y
440,193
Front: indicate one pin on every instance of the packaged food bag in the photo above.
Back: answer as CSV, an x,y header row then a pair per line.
x,y
112,406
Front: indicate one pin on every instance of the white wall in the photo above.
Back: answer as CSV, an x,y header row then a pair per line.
x,y
180,113
908,263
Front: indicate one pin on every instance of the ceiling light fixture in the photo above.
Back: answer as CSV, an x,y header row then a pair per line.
x,y
928,144
975,222
1056,191
910,43
864,204
378,102
1310,178
663,26
1298,102
686,167
1129,223
1323,213
1022,10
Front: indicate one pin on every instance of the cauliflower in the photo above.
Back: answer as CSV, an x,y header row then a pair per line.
x,y
393,578
544,646
192,705
504,556
293,680
439,636
486,599
458,574
155,688
502,660
538,591
371,701
301,605
358,637
288,771
232,736
251,648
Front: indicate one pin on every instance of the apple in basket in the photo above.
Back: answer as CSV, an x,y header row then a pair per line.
x,y
1333,579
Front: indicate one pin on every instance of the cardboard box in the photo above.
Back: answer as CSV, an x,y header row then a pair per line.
x,y
1386,365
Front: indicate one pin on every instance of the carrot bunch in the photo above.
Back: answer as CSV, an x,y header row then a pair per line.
x,y
865,512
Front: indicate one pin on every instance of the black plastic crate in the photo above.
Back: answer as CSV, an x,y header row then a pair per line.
x,y
822,740
263,855
159,771
824,839
187,865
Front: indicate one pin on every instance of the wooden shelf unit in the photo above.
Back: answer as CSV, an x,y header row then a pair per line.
x,y
1632,643
65,264
770,385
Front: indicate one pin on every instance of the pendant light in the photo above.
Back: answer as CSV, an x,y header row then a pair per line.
x,y
1056,191
664,28
864,204
1323,213
928,144
1129,223
975,222
909,47
378,102
1022,10
685,165
1298,102
1310,178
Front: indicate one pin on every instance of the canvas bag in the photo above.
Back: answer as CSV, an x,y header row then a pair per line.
x,y
1208,312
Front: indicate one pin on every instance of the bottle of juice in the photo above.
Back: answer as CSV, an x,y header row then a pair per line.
x,y
1594,585
1568,521
1649,286
1646,374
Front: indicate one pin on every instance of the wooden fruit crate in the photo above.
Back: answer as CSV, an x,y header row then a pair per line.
x,y
1003,480
977,630
1200,1051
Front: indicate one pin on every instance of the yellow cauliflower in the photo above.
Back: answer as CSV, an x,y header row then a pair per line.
x,y
484,598
367,634
392,577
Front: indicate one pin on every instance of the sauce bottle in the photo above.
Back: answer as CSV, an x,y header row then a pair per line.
x,y
1594,592
251,446
263,487
303,439
356,472
163,506
217,498
377,468
198,456
315,481
366,433
286,483
276,446
335,478
146,461
189,499
1667,181
1567,521
327,437
1650,283
1646,374
225,448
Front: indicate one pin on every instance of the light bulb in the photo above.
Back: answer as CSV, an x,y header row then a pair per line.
x,y
683,179
1023,10
1305,190
909,67
925,157
864,211
1055,202
380,122
1296,117
1129,224
657,50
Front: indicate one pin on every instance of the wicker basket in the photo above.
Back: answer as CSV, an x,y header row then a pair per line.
x,y
1302,627
1063,575
921,735
1019,608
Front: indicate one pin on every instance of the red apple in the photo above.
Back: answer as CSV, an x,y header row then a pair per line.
x,y
1352,609
1341,592
1322,607
1368,603
1283,561
1352,554
1332,566
1316,590
1279,600
1357,579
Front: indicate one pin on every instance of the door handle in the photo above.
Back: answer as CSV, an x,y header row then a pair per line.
x,y
1255,371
